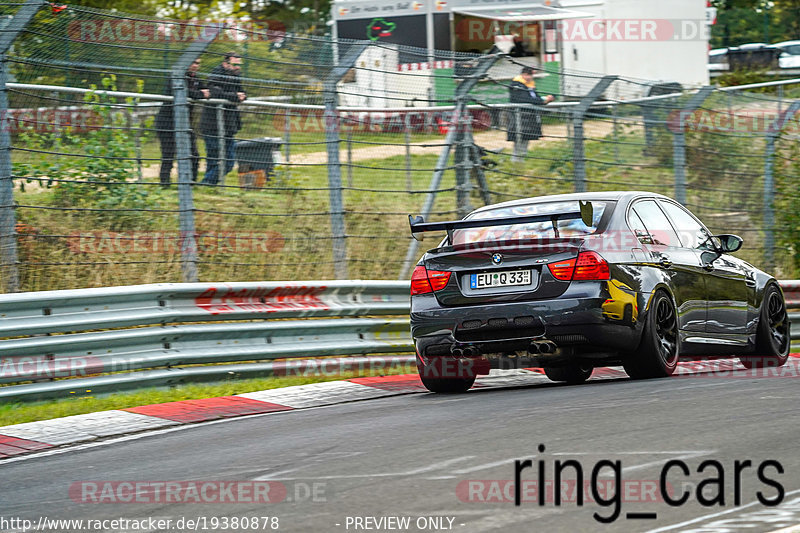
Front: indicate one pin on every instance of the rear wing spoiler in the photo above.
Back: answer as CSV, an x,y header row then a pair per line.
x,y
418,224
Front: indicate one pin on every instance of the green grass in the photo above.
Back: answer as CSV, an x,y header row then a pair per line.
x,y
294,210
18,413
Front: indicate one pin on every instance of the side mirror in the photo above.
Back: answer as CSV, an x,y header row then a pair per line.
x,y
727,243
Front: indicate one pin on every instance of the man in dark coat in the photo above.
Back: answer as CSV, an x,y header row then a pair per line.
x,y
165,125
225,83
526,124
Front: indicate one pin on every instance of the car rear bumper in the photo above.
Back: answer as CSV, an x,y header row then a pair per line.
x,y
575,319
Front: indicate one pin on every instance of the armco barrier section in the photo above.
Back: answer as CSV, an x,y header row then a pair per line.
x,y
171,325
150,333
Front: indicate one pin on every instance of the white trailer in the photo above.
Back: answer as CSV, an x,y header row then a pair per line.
x,y
648,40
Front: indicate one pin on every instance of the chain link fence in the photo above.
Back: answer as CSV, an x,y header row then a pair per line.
x,y
123,160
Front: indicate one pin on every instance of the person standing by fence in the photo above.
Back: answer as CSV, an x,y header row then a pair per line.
x,y
224,83
524,124
165,125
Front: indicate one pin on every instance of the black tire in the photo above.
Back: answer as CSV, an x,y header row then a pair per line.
x,y
446,385
659,349
773,336
573,374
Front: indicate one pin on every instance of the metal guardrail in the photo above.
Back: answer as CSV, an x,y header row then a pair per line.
x,y
148,327
150,333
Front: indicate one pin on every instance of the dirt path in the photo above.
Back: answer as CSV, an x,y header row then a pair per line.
x,y
493,140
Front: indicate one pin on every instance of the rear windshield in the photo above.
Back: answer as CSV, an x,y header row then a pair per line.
x,y
536,230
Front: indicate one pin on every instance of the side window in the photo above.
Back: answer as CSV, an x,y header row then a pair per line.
x,y
657,224
638,227
691,232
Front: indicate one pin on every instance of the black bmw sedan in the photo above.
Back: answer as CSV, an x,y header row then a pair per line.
x,y
571,282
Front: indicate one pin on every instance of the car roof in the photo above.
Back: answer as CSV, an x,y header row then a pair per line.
x,y
616,196
717,51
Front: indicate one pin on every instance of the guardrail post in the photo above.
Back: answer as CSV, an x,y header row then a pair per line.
x,y
679,141
8,218
485,63
332,141
578,115
183,149
773,132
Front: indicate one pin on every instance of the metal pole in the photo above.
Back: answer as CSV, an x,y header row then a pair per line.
x,y
407,123
332,141
8,217
221,144
679,141
350,156
335,183
461,92
287,128
769,184
462,161
183,147
616,133
517,135
578,115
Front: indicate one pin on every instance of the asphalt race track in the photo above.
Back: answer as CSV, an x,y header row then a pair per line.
x,y
448,462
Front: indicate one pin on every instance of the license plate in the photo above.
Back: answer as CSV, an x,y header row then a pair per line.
x,y
500,279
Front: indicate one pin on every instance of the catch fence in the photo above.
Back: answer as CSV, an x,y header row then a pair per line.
x,y
336,142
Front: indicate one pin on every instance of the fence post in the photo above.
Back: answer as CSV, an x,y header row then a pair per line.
x,y
350,157
518,142
578,114
287,137
773,133
221,144
183,149
407,124
332,141
8,217
463,162
679,141
485,63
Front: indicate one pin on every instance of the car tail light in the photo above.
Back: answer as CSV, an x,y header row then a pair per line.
x,y
591,266
562,270
587,266
424,281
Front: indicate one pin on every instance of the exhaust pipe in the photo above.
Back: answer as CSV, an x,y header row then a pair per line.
x,y
548,347
464,351
543,347
470,351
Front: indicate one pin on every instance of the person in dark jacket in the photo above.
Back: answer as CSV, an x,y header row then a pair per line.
x,y
165,125
225,83
526,124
